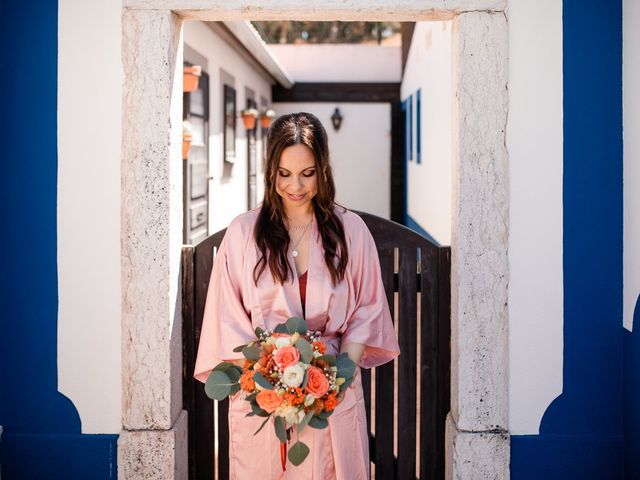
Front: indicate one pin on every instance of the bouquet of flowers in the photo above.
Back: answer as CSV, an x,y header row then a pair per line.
x,y
288,377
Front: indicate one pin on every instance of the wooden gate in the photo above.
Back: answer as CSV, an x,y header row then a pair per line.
x,y
406,445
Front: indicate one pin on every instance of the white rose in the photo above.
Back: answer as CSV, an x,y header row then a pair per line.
x,y
290,414
293,375
283,341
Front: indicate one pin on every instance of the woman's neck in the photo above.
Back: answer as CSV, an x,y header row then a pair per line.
x,y
299,216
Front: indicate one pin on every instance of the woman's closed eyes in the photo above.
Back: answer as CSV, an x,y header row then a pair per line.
x,y
307,174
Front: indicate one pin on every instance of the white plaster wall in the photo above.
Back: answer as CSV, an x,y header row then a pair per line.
x,y
360,152
88,211
228,197
340,62
534,142
631,129
429,69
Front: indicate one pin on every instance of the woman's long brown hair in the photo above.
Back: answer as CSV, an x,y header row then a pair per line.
x,y
270,232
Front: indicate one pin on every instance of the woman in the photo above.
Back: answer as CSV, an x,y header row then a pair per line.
x,y
298,254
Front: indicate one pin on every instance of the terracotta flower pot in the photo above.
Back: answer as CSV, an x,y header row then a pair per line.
x,y
266,118
186,144
249,118
190,78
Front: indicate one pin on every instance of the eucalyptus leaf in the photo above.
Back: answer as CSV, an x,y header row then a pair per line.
x,y
251,353
296,324
239,348
281,431
304,347
261,426
330,359
317,422
234,372
222,366
281,328
324,414
297,453
235,388
346,385
305,379
255,408
218,385
251,397
346,367
263,382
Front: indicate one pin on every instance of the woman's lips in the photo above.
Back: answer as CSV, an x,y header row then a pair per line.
x,y
295,198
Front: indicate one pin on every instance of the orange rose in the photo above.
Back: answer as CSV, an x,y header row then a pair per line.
x,y
268,400
246,381
286,356
331,402
317,383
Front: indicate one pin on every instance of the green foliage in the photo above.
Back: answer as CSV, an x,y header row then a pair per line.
x,y
251,353
281,431
263,382
218,385
304,347
330,359
296,324
297,453
317,422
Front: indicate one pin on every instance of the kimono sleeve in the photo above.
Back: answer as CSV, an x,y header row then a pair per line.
x,y
370,321
226,324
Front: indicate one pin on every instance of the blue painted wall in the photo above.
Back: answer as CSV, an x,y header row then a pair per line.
x,y
581,434
42,436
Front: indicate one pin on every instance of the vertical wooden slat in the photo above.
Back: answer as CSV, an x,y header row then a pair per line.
x,y
366,388
429,412
223,440
384,458
188,349
407,337
204,429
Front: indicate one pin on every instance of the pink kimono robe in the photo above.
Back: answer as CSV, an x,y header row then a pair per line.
x,y
355,311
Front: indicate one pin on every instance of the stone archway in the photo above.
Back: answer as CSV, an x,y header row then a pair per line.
x,y
153,443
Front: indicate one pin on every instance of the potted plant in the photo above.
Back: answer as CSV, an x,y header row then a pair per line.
x,y
249,117
266,118
190,77
187,136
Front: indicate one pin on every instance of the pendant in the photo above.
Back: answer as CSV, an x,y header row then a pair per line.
x,y
294,253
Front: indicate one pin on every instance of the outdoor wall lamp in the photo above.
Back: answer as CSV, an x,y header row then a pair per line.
x,y
336,119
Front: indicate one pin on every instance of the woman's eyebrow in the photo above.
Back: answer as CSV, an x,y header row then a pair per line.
x,y
307,168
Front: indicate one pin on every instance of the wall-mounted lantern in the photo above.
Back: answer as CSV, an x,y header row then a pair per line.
x,y
249,117
266,117
336,119
190,77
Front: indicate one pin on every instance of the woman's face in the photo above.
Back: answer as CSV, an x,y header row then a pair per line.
x,y
296,178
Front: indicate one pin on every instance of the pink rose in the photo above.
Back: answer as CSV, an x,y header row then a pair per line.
x,y
317,383
286,356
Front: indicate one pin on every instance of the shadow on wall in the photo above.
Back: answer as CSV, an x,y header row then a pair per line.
x,y
632,397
